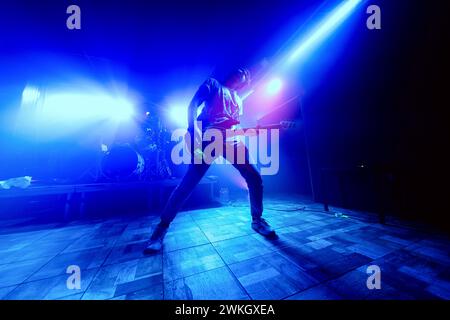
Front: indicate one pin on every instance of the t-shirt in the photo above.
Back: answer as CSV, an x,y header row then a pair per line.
x,y
222,108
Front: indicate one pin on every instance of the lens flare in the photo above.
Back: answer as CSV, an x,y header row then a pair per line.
x,y
274,86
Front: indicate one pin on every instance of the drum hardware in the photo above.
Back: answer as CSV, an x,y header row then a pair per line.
x,y
122,162
144,159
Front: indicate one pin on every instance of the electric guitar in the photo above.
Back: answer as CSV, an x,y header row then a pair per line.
x,y
248,132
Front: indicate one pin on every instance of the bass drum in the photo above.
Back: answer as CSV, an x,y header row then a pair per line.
x,y
122,162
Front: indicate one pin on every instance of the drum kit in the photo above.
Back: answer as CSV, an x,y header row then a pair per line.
x,y
143,159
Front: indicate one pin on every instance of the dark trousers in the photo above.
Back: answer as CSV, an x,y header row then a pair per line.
x,y
195,173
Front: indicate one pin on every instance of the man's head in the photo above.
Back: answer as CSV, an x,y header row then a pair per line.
x,y
238,79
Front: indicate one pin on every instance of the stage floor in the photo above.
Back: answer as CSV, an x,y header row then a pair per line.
x,y
214,254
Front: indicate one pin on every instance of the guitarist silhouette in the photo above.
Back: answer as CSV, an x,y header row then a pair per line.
x,y
222,108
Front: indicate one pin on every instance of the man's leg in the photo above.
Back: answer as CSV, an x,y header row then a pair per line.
x,y
177,198
190,180
255,188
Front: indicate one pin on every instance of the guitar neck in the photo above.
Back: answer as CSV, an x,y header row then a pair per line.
x,y
253,130
268,127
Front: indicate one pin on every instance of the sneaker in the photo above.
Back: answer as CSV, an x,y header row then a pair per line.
x,y
262,227
156,240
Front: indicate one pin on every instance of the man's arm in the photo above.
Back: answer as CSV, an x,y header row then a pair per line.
x,y
192,111
200,96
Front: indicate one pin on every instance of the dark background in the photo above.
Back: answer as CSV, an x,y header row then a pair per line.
x,y
376,98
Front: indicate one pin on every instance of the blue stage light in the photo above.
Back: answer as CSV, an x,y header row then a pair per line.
x,y
324,29
86,107
178,115
65,112
123,110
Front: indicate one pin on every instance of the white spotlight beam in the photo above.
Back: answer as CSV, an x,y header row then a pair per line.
x,y
324,29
